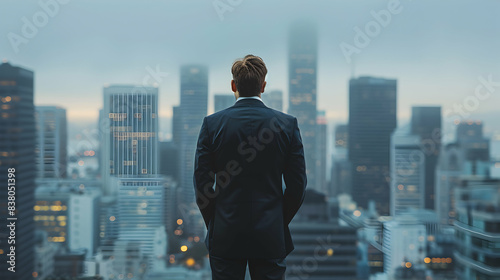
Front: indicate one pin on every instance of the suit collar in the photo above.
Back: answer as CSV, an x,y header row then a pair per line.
x,y
249,102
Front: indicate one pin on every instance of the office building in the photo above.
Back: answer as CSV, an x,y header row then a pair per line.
x,y
341,168
426,123
130,145
477,229
407,172
51,147
176,125
84,221
302,75
404,243
468,156
321,152
324,249
372,119
169,159
193,108
140,212
17,154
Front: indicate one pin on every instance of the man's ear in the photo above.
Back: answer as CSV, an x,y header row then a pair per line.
x,y
263,86
233,86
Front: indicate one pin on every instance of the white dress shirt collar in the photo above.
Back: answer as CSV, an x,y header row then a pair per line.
x,y
248,97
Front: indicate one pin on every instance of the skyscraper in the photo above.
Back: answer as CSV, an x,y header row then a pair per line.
x,y
51,142
321,148
404,243
471,141
468,156
477,229
426,123
340,175
273,99
130,143
141,209
302,72
372,119
193,108
17,162
223,101
407,172
176,125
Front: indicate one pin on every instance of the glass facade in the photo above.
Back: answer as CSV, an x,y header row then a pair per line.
x,y
477,229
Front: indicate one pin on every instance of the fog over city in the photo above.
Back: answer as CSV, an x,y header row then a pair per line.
x,y
436,49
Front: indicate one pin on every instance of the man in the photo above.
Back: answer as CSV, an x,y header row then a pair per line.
x,y
246,150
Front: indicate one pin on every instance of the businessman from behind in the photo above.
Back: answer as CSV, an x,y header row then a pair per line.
x,y
243,152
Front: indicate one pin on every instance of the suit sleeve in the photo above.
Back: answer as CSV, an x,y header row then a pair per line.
x,y
294,174
203,177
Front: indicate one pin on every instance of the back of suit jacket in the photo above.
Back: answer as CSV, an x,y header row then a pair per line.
x,y
246,150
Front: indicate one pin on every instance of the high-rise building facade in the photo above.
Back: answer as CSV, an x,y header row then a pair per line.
x,y
477,229
51,148
404,244
140,212
223,101
17,162
372,119
193,108
340,181
130,143
324,249
302,75
426,123
407,172
321,152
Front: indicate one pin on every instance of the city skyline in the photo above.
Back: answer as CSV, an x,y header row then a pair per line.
x,y
413,56
101,106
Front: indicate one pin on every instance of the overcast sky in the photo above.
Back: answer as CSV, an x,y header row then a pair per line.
x,y
435,49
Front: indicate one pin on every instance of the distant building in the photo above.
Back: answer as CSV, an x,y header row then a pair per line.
x,y
321,152
321,242
140,212
223,101
302,75
84,222
426,123
341,136
407,172
17,154
468,156
51,142
477,227
169,159
340,181
44,255
372,119
273,99
130,144
176,125
193,108
404,244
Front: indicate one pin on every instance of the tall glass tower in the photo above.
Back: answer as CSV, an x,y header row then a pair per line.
x,y
302,68
130,142
426,123
17,151
372,119
193,108
51,142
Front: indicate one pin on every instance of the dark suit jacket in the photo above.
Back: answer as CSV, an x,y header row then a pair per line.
x,y
249,147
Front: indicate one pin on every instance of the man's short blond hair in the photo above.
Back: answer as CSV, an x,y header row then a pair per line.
x,y
249,74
